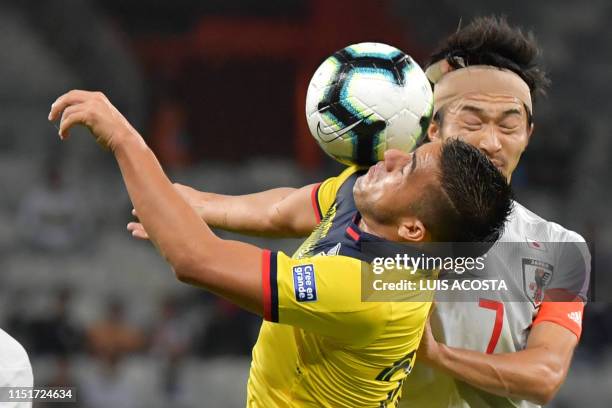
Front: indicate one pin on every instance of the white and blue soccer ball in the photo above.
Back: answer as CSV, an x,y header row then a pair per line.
x,y
365,99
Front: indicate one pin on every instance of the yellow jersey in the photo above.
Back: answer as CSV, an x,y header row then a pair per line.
x,y
320,345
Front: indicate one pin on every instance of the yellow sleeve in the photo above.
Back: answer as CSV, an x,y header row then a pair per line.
x,y
321,294
324,194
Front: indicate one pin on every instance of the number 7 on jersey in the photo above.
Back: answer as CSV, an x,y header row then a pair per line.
x,y
498,307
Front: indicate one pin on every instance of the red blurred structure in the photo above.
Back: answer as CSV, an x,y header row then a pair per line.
x,y
329,26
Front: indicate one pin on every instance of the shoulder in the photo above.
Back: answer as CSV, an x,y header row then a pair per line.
x,y
524,223
349,171
342,177
323,294
324,194
337,276
13,353
15,362
569,247
335,281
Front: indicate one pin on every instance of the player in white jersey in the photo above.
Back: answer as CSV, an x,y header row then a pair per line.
x,y
508,351
485,353
15,368
479,338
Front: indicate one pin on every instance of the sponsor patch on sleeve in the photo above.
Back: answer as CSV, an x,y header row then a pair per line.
x,y
304,283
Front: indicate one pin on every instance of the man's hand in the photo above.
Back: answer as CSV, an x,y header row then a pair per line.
x,y
188,193
227,268
93,110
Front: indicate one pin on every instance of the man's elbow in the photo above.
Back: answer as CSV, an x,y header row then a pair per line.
x,y
543,397
548,384
188,270
182,274
276,224
279,224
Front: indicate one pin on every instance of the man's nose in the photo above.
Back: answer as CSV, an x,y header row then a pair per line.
x,y
395,158
489,141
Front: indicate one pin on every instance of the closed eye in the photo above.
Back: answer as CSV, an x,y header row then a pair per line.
x,y
510,124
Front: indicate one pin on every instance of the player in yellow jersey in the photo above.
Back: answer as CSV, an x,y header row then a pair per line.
x,y
321,345
461,362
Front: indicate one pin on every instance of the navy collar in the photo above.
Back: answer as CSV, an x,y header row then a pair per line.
x,y
375,245
357,235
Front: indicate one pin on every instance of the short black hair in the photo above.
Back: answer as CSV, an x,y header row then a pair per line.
x,y
472,201
492,41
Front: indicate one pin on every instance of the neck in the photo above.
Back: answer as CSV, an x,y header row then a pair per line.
x,y
382,231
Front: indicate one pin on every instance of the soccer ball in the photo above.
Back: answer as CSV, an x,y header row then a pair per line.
x,y
365,99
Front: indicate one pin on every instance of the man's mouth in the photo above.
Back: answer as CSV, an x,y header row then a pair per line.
x,y
373,171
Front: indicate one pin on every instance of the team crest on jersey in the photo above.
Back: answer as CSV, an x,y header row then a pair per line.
x,y
304,283
335,250
535,244
536,277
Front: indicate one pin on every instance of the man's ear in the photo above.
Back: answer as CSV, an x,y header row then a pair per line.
x,y
412,230
433,131
530,132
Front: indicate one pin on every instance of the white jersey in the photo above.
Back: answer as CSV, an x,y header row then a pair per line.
x,y
15,368
501,323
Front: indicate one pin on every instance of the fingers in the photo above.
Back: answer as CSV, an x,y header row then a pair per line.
x,y
140,235
70,110
70,98
78,116
135,226
137,230
72,107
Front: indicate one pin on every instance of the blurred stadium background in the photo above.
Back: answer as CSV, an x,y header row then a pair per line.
x,y
217,87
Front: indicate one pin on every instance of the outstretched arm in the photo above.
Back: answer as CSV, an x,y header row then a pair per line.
x,y
227,268
279,212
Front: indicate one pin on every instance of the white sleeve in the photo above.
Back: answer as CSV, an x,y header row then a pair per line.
x,y
15,367
574,267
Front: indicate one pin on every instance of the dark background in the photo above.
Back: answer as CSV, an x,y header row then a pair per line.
x,y
218,89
